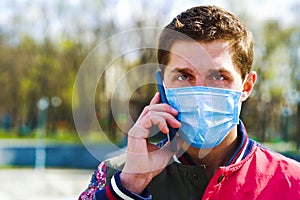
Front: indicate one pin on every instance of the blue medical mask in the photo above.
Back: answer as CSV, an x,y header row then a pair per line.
x,y
207,114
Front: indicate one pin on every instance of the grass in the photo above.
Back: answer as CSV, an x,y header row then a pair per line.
x,y
60,136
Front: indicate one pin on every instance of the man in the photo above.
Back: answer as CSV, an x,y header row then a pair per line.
x,y
206,56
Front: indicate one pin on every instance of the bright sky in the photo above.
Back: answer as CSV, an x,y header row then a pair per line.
x,y
259,9
57,15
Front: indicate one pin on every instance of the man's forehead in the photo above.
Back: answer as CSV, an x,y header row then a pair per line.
x,y
192,55
183,48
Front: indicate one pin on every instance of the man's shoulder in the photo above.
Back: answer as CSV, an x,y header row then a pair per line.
x,y
279,161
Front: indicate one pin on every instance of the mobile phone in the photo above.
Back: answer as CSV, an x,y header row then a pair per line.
x,y
172,131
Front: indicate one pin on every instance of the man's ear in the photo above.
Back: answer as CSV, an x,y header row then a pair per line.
x,y
248,85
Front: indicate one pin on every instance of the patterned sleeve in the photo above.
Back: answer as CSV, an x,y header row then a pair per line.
x,y
98,182
101,188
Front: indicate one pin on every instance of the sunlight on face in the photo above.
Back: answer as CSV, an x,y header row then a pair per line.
x,y
202,64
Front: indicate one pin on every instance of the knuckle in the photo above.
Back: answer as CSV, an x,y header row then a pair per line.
x,y
147,109
166,106
150,114
168,116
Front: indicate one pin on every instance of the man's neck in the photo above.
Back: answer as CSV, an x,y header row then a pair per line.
x,y
216,157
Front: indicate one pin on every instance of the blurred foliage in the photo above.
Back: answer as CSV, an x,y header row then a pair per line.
x,y
32,68
30,71
272,113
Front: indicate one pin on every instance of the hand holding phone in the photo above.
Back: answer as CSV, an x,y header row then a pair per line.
x,y
172,131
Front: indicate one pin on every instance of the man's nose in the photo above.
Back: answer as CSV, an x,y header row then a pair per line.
x,y
200,81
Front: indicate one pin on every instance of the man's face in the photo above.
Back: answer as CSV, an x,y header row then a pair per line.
x,y
202,64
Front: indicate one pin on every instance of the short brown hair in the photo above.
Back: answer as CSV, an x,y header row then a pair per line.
x,y
207,24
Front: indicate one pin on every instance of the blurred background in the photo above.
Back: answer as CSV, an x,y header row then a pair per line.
x,y
42,46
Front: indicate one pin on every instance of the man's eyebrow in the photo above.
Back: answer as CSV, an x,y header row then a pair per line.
x,y
183,70
221,70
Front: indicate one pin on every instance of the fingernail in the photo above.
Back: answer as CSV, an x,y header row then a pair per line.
x,y
175,110
178,123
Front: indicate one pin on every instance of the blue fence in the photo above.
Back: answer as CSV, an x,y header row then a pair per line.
x,y
65,156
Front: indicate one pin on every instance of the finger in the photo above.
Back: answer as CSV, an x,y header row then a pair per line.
x,y
141,129
164,108
159,108
161,124
162,120
155,99
151,120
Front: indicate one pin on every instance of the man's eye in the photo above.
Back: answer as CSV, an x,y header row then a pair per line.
x,y
218,77
183,77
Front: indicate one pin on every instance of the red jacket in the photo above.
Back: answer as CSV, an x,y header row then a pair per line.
x,y
263,174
